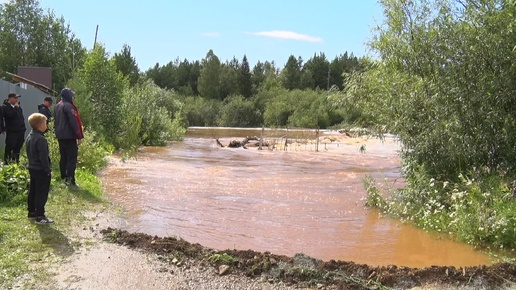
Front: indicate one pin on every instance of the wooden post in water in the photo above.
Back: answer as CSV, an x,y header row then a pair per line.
x,y
286,141
261,139
317,140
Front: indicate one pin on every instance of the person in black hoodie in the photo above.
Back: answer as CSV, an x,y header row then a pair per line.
x,y
45,108
68,129
39,169
14,128
1,121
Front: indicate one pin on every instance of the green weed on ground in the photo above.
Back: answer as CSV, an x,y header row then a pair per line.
x,y
25,246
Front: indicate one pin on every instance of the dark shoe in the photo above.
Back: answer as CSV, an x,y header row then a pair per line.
x,y
42,220
67,181
32,215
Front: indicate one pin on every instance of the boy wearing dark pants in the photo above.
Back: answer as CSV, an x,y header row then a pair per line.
x,y
39,169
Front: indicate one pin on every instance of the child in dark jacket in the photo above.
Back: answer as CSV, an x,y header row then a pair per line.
x,y
39,168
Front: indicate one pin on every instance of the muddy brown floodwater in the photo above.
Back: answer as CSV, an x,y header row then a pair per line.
x,y
284,202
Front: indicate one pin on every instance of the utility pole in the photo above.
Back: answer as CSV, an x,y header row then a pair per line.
x,y
96,32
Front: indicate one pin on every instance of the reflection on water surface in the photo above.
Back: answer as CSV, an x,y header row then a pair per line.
x,y
282,202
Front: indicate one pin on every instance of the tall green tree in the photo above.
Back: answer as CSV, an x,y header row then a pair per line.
x,y
209,78
318,68
291,73
103,89
257,76
193,77
341,65
126,64
451,92
272,79
183,72
245,84
181,76
228,85
31,37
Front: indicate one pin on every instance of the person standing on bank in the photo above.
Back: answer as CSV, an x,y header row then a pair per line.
x,y
39,169
14,127
1,121
45,108
68,129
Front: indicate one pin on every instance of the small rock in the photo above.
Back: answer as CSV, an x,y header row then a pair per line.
x,y
153,242
163,270
175,260
223,270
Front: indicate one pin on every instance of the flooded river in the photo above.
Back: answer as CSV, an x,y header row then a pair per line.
x,y
284,202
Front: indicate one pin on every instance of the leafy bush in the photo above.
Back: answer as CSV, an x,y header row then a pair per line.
x,y
106,87
146,121
301,109
200,111
178,129
277,113
479,211
124,116
92,152
239,112
14,183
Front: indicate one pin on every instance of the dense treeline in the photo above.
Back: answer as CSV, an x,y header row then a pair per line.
x,y
215,93
230,93
214,79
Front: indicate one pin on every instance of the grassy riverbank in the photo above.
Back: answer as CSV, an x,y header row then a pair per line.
x,y
26,246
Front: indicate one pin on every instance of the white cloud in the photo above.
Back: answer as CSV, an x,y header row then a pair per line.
x,y
288,35
211,34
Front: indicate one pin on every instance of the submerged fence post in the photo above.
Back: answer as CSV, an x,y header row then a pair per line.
x,y
261,139
317,140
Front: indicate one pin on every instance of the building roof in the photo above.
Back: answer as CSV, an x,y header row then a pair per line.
x,y
39,86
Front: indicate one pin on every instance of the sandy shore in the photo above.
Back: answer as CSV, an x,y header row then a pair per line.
x,y
98,264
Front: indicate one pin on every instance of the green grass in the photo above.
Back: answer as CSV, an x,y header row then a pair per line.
x,y
25,246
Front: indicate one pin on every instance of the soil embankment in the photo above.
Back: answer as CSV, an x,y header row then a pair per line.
x,y
109,258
